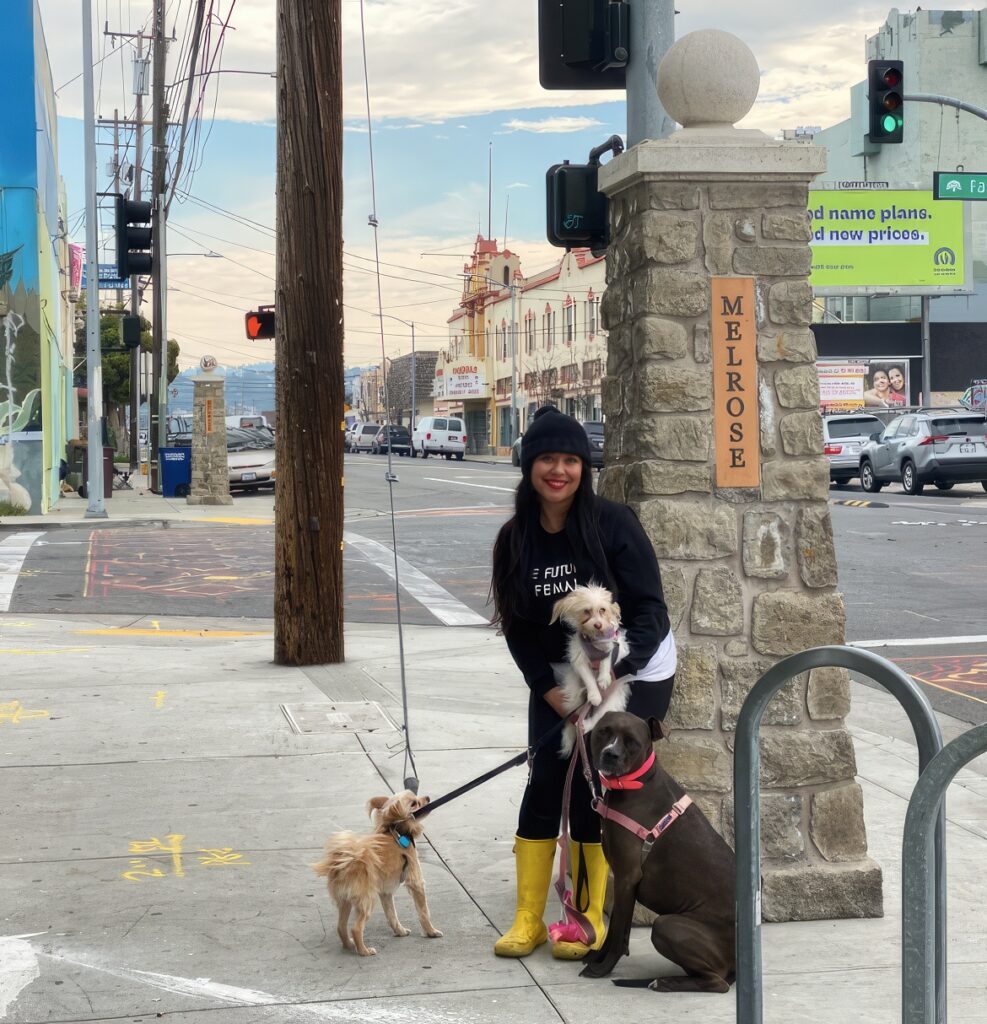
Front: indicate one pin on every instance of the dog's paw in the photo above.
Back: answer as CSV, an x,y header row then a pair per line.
x,y
401,932
598,969
434,934
595,699
367,951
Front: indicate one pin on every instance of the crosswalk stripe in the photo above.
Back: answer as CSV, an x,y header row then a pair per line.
x,y
13,551
422,588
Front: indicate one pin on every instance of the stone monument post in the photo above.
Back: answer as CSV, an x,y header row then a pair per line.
x,y
210,467
714,437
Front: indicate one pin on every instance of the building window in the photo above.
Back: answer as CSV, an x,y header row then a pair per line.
x,y
503,340
549,329
531,381
569,322
570,374
503,386
592,369
592,315
529,332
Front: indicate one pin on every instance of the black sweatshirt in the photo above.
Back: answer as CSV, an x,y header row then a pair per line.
x,y
557,569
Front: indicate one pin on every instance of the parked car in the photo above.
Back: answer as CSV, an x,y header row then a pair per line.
x,y
937,446
348,435
362,439
594,431
250,459
844,435
397,437
439,435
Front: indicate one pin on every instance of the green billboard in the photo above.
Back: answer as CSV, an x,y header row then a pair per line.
x,y
887,241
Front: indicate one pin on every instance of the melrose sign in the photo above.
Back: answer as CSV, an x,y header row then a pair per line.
x,y
735,408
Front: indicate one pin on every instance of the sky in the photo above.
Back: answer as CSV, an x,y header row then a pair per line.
x,y
453,88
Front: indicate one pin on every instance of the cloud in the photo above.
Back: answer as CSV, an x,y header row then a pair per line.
x,y
553,125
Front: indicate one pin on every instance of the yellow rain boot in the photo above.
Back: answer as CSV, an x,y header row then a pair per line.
x,y
533,859
597,871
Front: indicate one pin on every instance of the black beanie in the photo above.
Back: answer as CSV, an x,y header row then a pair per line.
x,y
552,431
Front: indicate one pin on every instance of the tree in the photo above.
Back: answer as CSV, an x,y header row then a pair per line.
x,y
116,365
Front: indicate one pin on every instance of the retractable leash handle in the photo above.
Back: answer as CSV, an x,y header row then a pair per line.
x,y
518,759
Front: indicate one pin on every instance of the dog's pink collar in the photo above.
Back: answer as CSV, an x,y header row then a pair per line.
x,y
632,780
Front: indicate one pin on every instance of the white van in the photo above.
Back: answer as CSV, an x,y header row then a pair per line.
x,y
439,435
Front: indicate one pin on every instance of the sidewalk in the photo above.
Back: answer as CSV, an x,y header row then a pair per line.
x,y
123,743
139,504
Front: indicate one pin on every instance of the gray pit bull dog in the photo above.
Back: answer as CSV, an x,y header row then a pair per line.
x,y
688,877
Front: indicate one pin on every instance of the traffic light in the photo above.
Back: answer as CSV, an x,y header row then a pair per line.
x,y
130,331
885,101
260,323
133,244
578,214
583,44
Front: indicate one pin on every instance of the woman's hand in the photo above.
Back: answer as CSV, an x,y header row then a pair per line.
x,y
554,698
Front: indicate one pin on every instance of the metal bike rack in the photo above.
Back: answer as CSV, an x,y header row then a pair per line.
x,y
747,809
922,986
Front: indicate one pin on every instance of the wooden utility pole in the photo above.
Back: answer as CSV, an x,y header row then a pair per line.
x,y
308,555
159,401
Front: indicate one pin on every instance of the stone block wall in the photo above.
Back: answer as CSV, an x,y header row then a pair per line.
x,y
210,465
750,575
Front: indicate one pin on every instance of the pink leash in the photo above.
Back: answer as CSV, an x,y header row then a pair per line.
x,y
575,926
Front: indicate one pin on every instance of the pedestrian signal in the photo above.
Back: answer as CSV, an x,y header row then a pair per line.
x,y
260,323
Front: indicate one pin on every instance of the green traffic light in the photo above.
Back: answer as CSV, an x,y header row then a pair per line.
x,y
889,123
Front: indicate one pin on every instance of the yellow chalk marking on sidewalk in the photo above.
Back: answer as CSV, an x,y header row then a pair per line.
x,y
222,633
28,650
155,624
158,699
235,521
15,713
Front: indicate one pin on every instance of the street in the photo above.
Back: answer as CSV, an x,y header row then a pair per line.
x,y
911,568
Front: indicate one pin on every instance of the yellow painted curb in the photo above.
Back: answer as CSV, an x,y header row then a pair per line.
x,y
221,633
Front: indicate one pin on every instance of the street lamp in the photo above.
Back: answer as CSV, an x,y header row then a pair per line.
x,y
414,364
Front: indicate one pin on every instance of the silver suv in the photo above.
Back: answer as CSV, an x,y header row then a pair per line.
x,y
937,446
843,437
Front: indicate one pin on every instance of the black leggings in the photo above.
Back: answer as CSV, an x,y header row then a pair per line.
x,y
541,806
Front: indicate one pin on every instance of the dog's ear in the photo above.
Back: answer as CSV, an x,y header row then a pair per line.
x,y
374,804
616,611
565,605
658,730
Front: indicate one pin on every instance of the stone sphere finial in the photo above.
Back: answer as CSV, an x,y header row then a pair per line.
x,y
708,78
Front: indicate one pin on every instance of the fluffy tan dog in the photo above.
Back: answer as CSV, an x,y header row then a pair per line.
x,y
359,868
594,645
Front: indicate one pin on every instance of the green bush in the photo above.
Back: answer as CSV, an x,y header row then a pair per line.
x,y
9,509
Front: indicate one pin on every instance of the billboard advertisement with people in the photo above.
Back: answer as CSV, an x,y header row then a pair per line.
x,y
846,385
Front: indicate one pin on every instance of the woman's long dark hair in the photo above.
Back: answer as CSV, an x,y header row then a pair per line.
x,y
513,550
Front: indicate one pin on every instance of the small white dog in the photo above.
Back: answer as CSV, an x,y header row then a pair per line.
x,y
594,646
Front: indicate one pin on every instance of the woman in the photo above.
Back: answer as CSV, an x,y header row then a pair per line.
x,y
896,381
563,535
880,389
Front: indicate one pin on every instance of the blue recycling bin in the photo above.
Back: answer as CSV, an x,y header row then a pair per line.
x,y
176,472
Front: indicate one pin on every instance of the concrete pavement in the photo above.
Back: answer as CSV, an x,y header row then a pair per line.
x,y
161,809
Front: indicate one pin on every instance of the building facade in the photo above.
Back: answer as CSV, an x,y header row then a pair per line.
x,y
943,52
517,342
36,314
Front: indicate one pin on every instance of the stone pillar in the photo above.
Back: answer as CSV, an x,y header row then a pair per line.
x,y
714,437
210,468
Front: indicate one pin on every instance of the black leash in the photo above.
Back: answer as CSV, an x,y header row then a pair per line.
x,y
521,758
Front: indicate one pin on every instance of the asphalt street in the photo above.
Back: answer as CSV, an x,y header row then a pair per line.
x,y
912,568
